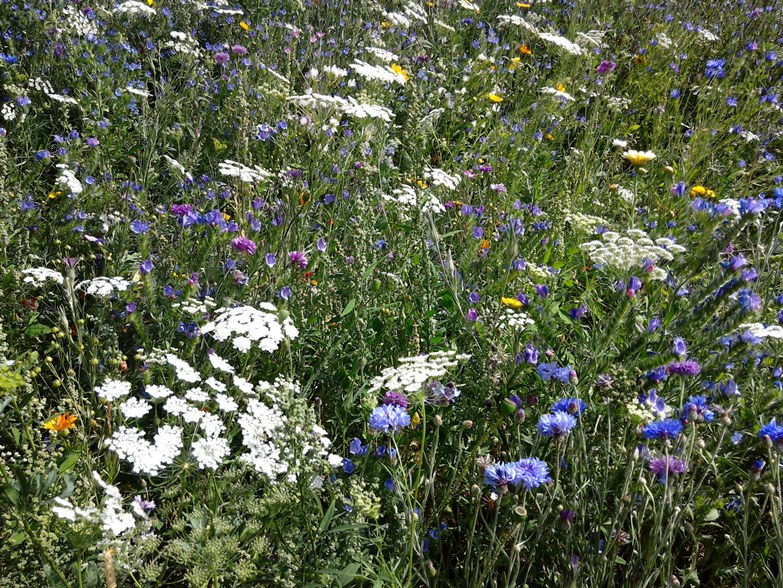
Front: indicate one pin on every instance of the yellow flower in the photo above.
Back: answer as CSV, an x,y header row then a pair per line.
x,y
523,5
560,87
61,423
494,98
416,420
513,63
550,137
151,2
53,195
640,59
400,72
244,26
226,217
525,50
511,303
702,191
638,158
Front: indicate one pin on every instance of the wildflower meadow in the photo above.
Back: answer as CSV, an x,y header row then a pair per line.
x,y
330,293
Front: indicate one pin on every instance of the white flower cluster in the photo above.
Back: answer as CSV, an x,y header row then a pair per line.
x,y
244,173
584,222
335,72
382,54
245,326
68,180
518,21
147,458
112,390
348,106
469,6
631,250
77,22
37,276
514,320
135,8
195,306
564,96
408,197
414,372
8,111
562,42
411,12
183,44
381,73
260,424
104,287
763,332
438,177
113,518
135,408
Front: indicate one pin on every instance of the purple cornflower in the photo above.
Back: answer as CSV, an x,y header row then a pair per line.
x,y
697,409
664,430
222,57
679,347
558,424
684,368
606,67
298,258
389,418
666,467
142,507
395,398
244,245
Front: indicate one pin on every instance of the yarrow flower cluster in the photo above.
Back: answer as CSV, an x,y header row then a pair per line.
x,y
414,372
245,174
37,276
104,287
246,326
631,251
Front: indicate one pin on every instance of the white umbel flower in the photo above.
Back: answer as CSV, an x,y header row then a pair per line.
x,y
135,408
68,180
246,326
245,174
210,452
37,276
414,372
562,42
104,287
112,390
135,8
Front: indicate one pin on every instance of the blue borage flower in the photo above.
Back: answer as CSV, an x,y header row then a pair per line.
x,y
665,429
529,472
389,418
557,424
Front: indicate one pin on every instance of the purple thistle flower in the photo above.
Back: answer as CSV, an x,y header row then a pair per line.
x,y
244,245
684,368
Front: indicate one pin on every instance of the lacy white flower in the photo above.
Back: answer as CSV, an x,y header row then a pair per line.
x,y
518,21
197,394
216,385
381,73
562,42
195,306
137,92
210,452
112,390
183,369
176,406
245,326
382,54
763,332
243,385
77,22
514,320
68,180
260,425
335,72
414,372
226,403
408,197
348,106
585,222
104,287
564,96
183,43
438,177
113,518
469,6
158,391
397,19
631,250
147,458
135,408
244,173
219,363
135,8
37,276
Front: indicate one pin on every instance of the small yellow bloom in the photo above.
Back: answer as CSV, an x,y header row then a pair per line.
x,y
525,50
523,5
485,244
151,2
386,24
640,59
244,26
702,191
550,137
61,423
55,194
513,63
226,217
400,72
638,158
416,420
560,87
511,303
494,98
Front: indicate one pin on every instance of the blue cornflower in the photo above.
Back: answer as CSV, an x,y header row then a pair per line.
x,y
389,418
557,424
697,409
356,448
679,346
772,430
501,474
715,69
532,472
665,429
138,227
570,405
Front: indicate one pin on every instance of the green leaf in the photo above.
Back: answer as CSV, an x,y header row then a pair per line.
x,y
69,462
17,538
348,308
327,517
713,515
36,330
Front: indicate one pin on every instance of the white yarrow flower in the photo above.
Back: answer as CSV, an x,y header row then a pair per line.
x,y
112,390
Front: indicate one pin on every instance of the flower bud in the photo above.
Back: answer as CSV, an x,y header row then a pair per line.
x,y
437,421
467,424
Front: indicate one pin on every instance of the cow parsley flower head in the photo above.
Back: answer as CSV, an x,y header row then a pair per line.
x,y
245,174
135,8
104,287
246,326
135,408
112,390
147,458
38,276
414,372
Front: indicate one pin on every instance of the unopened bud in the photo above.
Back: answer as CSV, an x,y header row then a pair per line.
x,y
467,424
437,421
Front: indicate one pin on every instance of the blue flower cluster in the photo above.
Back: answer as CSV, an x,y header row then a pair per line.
x,y
389,418
529,472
